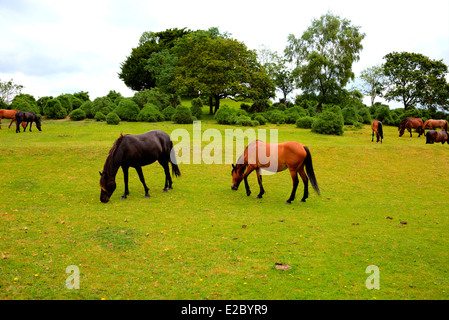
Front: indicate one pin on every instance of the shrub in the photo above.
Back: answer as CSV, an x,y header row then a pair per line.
x,y
350,115
182,115
112,118
275,116
168,113
329,122
304,122
54,110
103,104
260,118
77,115
66,101
224,115
154,95
127,110
150,113
243,120
294,113
364,115
87,108
197,108
99,116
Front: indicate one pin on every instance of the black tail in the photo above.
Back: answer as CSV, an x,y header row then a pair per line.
x,y
174,164
310,172
380,130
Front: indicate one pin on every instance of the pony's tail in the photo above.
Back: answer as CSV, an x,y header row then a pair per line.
x,y
380,129
310,172
174,164
445,127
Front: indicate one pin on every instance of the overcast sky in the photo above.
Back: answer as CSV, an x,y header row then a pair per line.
x,y
53,47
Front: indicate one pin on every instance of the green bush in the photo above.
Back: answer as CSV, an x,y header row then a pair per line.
x,y
364,115
294,113
154,95
77,115
103,104
276,116
224,115
112,118
168,113
260,118
350,115
150,113
66,101
87,108
54,110
243,120
330,121
182,115
99,116
127,110
304,122
197,108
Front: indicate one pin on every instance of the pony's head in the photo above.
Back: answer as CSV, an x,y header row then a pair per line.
x,y
108,185
237,175
38,124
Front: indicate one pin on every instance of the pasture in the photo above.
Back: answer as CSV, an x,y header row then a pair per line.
x,y
380,204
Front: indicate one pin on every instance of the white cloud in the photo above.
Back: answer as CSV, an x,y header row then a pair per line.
x,y
53,47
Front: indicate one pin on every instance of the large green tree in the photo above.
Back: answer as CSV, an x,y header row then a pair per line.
x,y
133,69
217,66
324,55
415,79
373,82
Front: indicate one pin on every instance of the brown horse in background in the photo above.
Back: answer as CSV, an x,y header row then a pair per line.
x,y
377,128
433,124
9,114
433,136
275,158
409,124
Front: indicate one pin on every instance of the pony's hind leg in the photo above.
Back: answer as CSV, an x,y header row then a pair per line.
x,y
305,180
295,180
259,179
168,180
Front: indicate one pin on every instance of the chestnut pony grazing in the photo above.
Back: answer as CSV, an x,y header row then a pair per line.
x,y
377,128
277,157
433,136
137,151
433,124
409,124
9,114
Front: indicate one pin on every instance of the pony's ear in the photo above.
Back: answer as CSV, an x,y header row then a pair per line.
x,y
100,173
233,166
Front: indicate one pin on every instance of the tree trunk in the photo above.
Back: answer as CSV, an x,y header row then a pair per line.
x,y
217,103
211,105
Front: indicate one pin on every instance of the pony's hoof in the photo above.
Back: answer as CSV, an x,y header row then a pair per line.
x,y
303,200
259,197
248,193
288,202
165,190
123,197
147,196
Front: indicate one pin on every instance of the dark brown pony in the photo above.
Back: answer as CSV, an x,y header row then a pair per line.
x,y
137,151
378,129
433,136
409,124
27,118
9,114
433,124
275,158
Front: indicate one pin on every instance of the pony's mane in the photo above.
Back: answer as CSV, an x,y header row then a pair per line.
x,y
108,163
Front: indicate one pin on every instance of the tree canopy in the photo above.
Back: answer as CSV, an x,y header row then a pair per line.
x,y
416,80
324,55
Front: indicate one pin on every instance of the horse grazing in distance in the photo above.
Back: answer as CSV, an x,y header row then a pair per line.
x,y
9,114
377,128
433,136
137,151
433,124
278,157
409,124
28,118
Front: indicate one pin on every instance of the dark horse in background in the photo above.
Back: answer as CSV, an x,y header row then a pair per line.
x,y
29,118
433,136
289,155
409,124
377,128
137,151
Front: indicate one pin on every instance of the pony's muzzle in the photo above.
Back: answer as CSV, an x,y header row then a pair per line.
x,y
234,187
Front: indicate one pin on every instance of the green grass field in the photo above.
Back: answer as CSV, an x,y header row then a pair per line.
x,y
381,204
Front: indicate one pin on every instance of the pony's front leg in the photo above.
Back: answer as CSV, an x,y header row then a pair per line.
x,y
125,178
295,180
142,179
245,178
259,179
